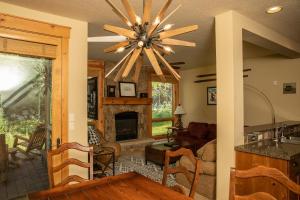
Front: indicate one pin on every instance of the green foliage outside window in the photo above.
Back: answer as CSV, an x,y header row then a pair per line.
x,y
160,128
162,95
22,107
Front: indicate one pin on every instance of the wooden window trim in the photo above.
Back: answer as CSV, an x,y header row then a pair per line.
x,y
34,26
96,69
163,119
175,83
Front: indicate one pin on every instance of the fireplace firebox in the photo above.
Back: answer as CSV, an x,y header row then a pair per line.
x,y
126,126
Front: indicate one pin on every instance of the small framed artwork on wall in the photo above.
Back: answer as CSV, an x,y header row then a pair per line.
x,y
127,89
92,98
289,88
111,91
211,96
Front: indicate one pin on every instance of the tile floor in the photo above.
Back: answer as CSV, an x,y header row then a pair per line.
x,y
31,176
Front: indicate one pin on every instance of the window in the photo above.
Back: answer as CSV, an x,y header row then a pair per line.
x,y
25,95
163,95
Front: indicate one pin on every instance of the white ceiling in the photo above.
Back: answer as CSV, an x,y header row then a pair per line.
x,y
200,12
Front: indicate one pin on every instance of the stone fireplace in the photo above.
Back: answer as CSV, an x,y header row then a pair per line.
x,y
111,110
110,123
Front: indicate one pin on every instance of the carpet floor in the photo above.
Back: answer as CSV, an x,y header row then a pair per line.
x,y
137,163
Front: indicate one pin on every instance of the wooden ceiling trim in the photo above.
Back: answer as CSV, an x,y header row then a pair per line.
x,y
33,26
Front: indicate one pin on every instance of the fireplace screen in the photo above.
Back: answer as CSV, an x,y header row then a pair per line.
x,y
126,126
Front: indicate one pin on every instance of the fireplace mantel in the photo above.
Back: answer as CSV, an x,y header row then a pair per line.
x,y
126,101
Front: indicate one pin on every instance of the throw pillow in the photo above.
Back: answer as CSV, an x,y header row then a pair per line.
x,y
208,168
93,138
208,152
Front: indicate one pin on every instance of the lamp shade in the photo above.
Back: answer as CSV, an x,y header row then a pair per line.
x,y
179,110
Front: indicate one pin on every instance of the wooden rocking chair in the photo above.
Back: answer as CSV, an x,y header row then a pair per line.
x,y
32,146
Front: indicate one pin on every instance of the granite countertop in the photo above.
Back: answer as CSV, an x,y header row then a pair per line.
x,y
269,148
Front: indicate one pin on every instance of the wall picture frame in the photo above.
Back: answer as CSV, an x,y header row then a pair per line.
x,y
127,89
211,95
289,88
92,98
111,91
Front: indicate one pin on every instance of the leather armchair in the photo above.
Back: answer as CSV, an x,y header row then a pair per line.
x,y
196,135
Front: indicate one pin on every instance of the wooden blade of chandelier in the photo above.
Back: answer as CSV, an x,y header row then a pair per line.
x,y
138,68
145,38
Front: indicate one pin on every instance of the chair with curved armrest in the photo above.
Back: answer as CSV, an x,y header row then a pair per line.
x,y
70,161
33,145
260,171
193,179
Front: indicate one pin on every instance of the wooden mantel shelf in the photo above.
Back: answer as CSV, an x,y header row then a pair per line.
x,y
126,101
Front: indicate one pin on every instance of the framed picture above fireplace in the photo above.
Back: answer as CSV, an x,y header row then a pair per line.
x,y
127,89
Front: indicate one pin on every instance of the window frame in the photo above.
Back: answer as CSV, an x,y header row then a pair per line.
x,y
169,79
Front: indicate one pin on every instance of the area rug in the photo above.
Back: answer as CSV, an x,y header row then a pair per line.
x,y
137,163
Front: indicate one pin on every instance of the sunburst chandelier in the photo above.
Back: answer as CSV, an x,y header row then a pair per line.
x,y
144,37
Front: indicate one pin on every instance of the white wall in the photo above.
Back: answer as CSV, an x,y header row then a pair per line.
x,y
77,66
193,96
264,72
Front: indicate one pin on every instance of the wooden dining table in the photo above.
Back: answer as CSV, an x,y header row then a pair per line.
x,y
128,186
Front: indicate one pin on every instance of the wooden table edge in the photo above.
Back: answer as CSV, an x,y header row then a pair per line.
x,y
80,186
62,189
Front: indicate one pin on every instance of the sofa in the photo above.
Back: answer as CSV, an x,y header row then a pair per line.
x,y
207,184
196,135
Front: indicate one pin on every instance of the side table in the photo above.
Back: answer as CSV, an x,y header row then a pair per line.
x,y
103,159
156,153
171,134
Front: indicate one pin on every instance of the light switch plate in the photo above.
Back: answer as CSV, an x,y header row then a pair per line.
x,y
71,117
71,126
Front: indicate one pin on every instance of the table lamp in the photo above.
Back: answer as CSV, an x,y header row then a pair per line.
x,y
179,112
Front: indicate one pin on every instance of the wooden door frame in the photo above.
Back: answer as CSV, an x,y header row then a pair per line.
x,y
96,69
19,28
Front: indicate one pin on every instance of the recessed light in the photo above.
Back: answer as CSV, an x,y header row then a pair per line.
x,y
274,9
